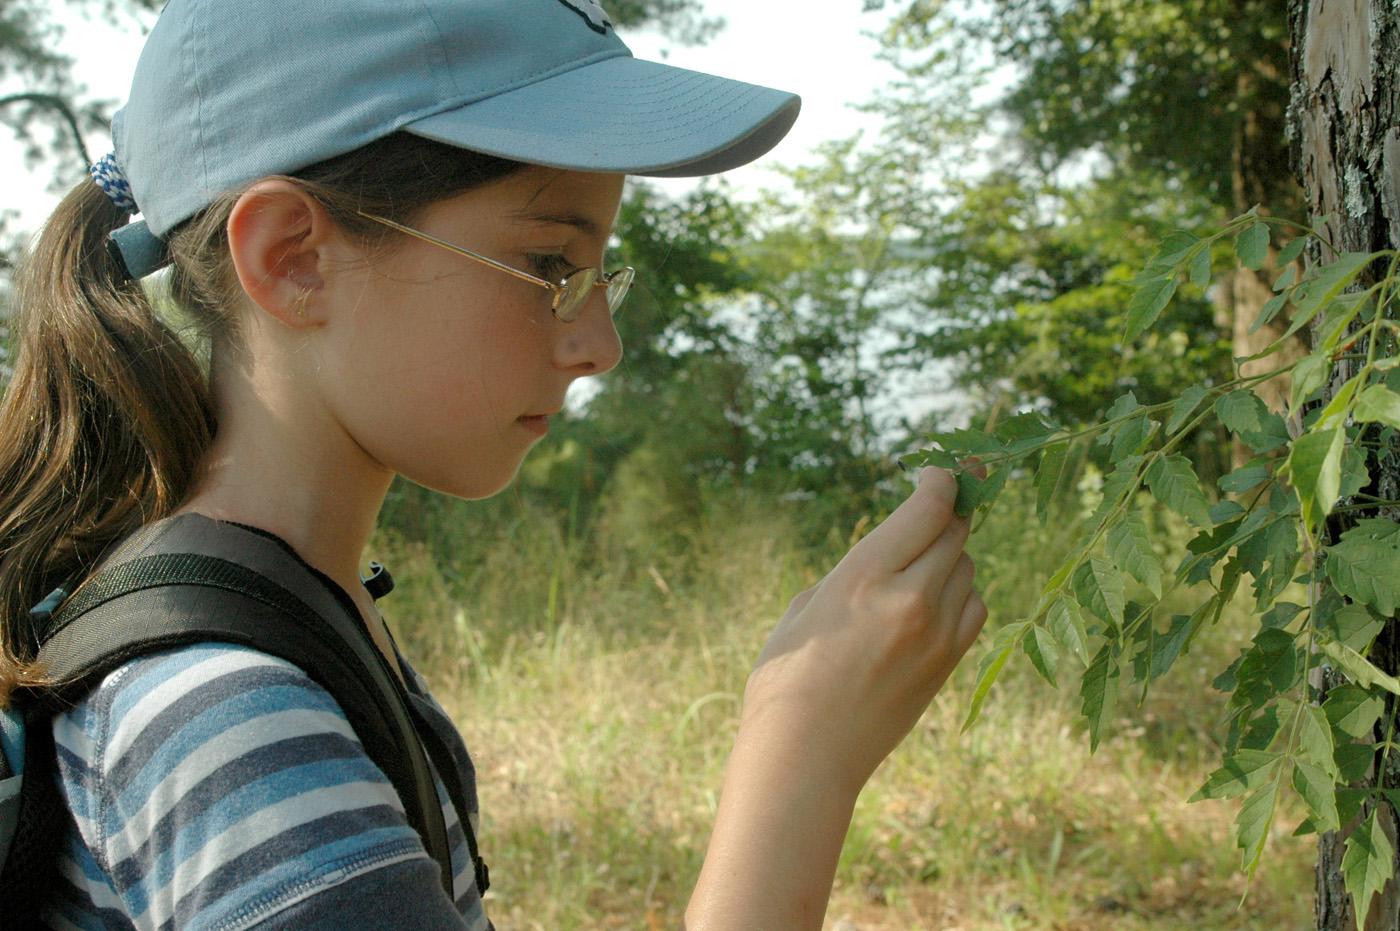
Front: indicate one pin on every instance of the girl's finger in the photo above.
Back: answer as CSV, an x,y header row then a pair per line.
x,y
930,571
974,465
954,597
915,524
970,624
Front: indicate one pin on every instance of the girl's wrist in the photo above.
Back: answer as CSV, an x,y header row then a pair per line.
x,y
776,841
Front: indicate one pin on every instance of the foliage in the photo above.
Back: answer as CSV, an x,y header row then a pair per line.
x,y
1192,89
1306,466
1031,290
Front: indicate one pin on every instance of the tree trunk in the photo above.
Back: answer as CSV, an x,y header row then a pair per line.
x,y
1346,151
1257,178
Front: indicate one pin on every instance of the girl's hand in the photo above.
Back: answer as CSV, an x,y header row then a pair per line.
x,y
858,657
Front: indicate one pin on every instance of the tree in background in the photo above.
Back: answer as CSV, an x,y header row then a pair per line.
x,y
1174,110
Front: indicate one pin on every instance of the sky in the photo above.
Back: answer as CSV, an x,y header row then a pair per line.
x,y
828,59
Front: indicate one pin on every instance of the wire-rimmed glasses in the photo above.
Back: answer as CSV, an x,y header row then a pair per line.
x,y
569,293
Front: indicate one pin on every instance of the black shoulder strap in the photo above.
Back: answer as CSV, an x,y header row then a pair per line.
x,y
200,580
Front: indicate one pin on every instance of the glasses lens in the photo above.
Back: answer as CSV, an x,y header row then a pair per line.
x,y
576,287
618,286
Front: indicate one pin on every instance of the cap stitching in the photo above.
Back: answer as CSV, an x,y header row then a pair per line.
x,y
442,46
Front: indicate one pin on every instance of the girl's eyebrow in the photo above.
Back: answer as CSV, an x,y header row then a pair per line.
x,y
587,226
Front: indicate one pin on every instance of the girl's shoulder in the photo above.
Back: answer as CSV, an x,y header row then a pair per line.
x,y
216,785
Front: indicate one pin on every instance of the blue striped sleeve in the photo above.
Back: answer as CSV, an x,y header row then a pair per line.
x,y
218,787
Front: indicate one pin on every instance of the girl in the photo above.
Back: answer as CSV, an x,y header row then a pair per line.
x,y
390,220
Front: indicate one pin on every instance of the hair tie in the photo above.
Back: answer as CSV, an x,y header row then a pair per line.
x,y
110,177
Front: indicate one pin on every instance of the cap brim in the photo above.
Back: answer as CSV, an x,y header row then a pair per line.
x,y
623,115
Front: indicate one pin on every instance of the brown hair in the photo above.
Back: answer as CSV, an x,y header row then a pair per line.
x,y
108,415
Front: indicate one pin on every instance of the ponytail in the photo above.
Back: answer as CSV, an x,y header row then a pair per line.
x,y
102,426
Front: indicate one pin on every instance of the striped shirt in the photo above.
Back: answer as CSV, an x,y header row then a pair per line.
x,y
213,786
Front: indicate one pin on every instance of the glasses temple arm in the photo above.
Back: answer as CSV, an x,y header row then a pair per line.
x,y
523,276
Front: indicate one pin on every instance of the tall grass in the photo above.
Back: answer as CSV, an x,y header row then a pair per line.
x,y
598,689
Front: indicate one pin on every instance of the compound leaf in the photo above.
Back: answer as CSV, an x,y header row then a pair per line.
x,y
1175,484
1367,864
1365,564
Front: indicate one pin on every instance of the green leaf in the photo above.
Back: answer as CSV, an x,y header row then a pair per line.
x,y
1252,245
1185,406
1047,478
1315,740
1169,255
1224,511
1319,790
1122,406
966,440
1067,625
1309,375
1243,479
1349,802
1252,825
1244,413
1352,710
1098,587
1200,268
1277,545
1355,476
1025,431
1268,312
1314,467
1129,438
1332,414
1367,865
1167,646
1130,548
991,664
1353,763
1378,404
1242,772
1280,615
1270,667
1119,484
1336,322
1314,294
1174,483
1365,564
1359,668
1353,626
1147,305
1099,691
1172,252
1330,281
1291,251
1286,278
1045,656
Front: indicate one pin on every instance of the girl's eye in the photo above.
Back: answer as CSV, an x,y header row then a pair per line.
x,y
553,268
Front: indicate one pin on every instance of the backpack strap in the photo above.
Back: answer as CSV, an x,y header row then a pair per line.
x,y
441,755
33,814
200,580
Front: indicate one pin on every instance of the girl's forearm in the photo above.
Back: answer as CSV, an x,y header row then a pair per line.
x,y
775,844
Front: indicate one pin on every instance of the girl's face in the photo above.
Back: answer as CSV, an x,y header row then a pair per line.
x,y
443,355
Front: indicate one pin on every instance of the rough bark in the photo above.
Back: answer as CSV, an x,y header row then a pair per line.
x,y
1346,151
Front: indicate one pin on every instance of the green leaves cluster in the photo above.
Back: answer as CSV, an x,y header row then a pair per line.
x,y
1089,620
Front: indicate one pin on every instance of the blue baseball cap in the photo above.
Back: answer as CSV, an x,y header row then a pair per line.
x,y
228,91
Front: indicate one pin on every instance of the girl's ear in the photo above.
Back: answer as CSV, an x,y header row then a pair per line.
x,y
278,237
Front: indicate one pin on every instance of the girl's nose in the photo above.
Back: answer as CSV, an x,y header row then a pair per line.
x,y
591,340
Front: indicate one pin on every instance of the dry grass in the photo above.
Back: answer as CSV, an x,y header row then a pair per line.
x,y
600,717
